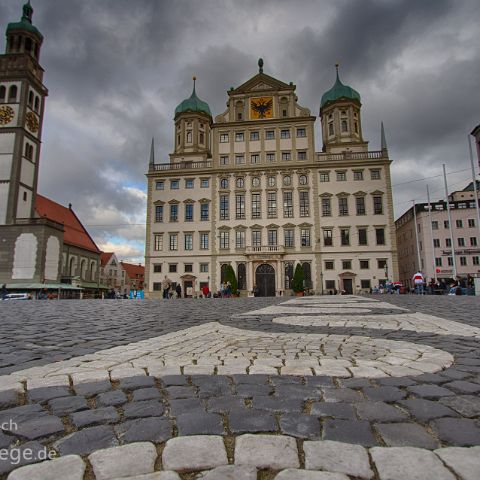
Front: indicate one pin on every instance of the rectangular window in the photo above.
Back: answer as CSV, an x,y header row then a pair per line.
x,y
174,213
471,222
375,174
204,182
172,268
344,236
301,132
329,265
224,138
204,241
270,157
446,224
239,206
269,134
254,136
289,238
189,212
380,235
174,184
189,241
284,134
301,155
343,206
204,211
476,260
305,237
255,158
327,238
239,159
341,176
160,185
364,264
272,236
365,284
358,175
434,225
473,241
256,205
157,268
204,268
346,264
158,242
159,213
362,236
459,223
304,204
326,207
324,176
173,241
224,240
448,242
461,242
360,205
287,204
239,137
286,156
271,204
189,183
224,160
224,207
436,242
240,239
463,261
438,261
377,205
188,267
256,238
450,261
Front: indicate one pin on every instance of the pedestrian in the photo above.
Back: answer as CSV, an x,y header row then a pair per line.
x,y
205,291
166,287
178,289
223,288
256,291
418,281
228,290
4,291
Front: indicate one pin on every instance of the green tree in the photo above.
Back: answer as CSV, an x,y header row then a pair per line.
x,y
230,277
298,278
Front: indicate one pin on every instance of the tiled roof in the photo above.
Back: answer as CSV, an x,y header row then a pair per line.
x,y
133,270
105,258
75,233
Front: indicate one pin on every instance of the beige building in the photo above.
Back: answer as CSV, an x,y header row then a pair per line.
x,y
435,242
249,190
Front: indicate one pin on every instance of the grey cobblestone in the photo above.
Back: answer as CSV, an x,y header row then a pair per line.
x,y
87,440
229,472
464,462
112,398
94,417
406,434
151,429
70,467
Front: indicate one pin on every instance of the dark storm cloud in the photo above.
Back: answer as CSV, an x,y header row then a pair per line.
x,y
116,69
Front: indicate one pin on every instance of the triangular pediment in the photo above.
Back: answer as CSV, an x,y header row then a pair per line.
x,y
262,82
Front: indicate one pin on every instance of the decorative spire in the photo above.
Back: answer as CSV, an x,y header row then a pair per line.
x,y
194,78
27,12
383,139
152,153
260,65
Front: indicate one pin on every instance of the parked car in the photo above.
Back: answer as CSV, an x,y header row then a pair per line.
x,y
17,296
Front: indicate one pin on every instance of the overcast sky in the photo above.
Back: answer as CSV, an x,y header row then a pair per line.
x,y
116,69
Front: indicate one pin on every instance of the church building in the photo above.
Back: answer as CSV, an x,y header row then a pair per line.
x,y
248,189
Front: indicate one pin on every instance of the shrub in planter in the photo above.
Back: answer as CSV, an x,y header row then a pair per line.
x,y
298,278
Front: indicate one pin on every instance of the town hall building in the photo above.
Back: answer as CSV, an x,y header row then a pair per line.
x,y
248,189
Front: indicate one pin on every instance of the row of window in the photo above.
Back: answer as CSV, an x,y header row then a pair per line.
x,y
341,175
360,206
255,135
458,223
187,268
175,183
363,264
343,127
463,261
240,237
256,181
461,242
189,212
12,93
255,158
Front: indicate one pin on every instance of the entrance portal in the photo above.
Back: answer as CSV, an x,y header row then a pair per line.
x,y
348,285
265,280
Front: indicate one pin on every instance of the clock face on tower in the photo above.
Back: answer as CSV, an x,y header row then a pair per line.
x,y
32,122
261,107
6,115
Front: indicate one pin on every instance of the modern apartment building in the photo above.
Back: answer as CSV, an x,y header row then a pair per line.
x,y
249,190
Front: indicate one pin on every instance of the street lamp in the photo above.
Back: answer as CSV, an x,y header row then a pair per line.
x,y
321,281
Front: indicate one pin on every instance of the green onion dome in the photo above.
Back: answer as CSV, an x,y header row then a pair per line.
x,y
193,104
26,22
338,92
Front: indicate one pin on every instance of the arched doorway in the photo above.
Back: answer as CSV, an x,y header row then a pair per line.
x,y
265,280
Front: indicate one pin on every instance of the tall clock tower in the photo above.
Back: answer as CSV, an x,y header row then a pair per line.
x,y
22,103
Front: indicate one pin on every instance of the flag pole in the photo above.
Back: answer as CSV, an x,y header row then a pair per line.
x,y
431,235
416,237
474,180
450,224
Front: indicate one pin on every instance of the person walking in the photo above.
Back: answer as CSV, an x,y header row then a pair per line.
x,y
256,291
166,287
178,289
418,282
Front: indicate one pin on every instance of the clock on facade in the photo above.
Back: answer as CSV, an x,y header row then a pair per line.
x,y
32,122
261,107
6,115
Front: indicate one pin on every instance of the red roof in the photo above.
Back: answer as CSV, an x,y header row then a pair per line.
x,y
75,233
133,270
105,258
